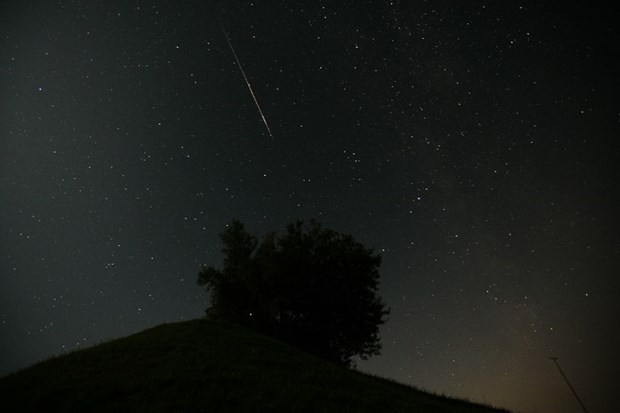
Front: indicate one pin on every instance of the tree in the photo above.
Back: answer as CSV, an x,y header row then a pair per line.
x,y
312,287
231,287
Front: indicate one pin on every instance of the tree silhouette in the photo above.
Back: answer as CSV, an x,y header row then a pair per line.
x,y
312,287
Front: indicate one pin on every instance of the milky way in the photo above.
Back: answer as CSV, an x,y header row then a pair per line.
x,y
472,145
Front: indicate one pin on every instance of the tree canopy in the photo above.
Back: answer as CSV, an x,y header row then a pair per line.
x,y
311,286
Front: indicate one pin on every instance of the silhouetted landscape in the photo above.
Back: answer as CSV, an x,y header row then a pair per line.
x,y
424,191
210,366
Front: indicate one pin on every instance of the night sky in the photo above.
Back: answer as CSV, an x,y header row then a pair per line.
x,y
473,145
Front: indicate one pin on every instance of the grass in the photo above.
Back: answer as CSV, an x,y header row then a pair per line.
x,y
205,366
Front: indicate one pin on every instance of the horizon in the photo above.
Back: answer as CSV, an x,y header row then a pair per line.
x,y
472,145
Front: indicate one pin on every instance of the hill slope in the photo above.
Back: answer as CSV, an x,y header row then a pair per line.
x,y
206,366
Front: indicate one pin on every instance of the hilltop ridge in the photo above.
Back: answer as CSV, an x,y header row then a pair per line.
x,y
202,365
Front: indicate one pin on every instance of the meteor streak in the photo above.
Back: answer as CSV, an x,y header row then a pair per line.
x,y
247,82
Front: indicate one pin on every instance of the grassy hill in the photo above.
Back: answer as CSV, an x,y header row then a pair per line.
x,y
205,366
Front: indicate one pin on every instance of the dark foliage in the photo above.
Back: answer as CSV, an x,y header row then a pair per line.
x,y
312,287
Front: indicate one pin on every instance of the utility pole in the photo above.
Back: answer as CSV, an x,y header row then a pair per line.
x,y
555,360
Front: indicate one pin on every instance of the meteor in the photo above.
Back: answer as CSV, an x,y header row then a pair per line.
x,y
247,82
